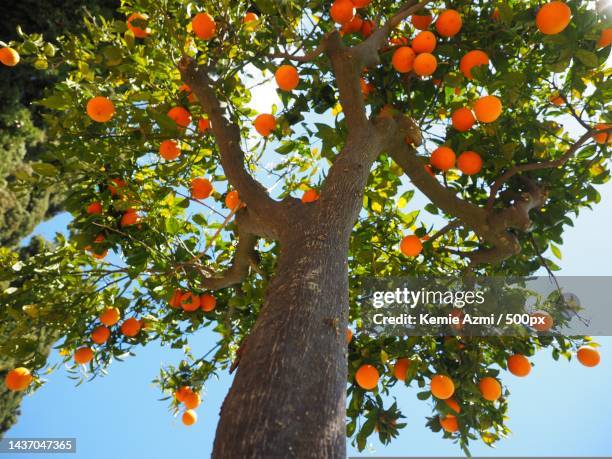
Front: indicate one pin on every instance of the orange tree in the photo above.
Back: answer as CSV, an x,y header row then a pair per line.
x,y
153,132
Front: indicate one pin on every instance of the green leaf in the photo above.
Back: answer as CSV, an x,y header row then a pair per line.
x,y
588,58
46,169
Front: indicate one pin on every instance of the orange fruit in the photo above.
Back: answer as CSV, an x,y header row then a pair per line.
x,y
496,15
366,88
361,3
201,188
169,150
442,387
138,32
190,417
310,196
9,57
463,119
425,64
100,109
411,246
264,124
208,303
117,185
519,365
131,327
603,137
18,379
557,99
94,208
449,23
100,334
469,162
470,60
349,335
248,19
175,300
110,316
487,109
204,26
588,356
553,18
367,377
180,115
547,323
287,77
490,388
182,393
190,302
449,423
401,368
342,11
83,355
424,42
453,405
192,400
443,158
605,39
99,238
232,200
421,21
353,26
130,217
367,28
403,59
203,125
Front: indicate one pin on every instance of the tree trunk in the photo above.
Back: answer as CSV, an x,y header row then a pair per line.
x,y
288,398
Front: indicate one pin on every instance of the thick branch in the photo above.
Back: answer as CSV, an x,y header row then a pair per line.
x,y
227,136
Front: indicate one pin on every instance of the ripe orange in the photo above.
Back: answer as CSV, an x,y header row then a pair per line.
x,y
9,57
449,23
353,26
490,388
603,137
349,335
469,162
265,124
487,109
449,423
442,387
201,188
421,21
548,321
366,88
100,109
175,300
204,26
453,405
557,99
425,64
18,379
248,19
605,39
190,417
208,302
100,334
192,400
411,246
287,77
182,393
83,355
361,3
130,217
180,115
367,28
94,208
519,365
310,196
401,368
342,11
403,59
367,377
424,42
169,150
117,185
443,158
138,32
553,18
472,59
131,327
463,119
203,125
190,302
588,356
110,316
232,200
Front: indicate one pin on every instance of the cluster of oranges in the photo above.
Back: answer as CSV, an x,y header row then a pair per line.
x,y
190,400
190,302
442,386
